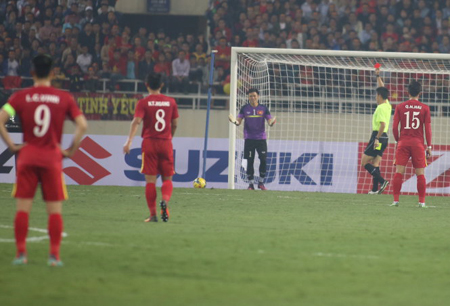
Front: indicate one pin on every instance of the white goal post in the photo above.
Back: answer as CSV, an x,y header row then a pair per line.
x,y
324,101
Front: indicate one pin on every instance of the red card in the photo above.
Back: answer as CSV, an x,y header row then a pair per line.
x,y
377,65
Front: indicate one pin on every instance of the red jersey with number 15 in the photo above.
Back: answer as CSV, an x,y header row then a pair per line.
x,y
412,116
157,112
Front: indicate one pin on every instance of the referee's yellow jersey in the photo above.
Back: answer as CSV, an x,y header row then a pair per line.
x,y
382,114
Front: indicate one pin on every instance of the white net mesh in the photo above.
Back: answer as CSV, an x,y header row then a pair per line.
x,y
324,106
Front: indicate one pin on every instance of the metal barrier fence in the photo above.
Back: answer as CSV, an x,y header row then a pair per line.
x,y
290,101
195,99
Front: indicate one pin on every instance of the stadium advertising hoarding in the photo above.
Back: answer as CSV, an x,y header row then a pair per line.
x,y
322,167
309,166
108,106
437,172
100,161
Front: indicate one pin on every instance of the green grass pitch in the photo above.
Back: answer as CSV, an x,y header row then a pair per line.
x,y
240,247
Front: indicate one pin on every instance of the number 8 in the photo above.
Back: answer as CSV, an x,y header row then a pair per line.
x,y
42,120
160,122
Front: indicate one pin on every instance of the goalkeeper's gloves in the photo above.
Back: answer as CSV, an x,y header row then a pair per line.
x,y
272,121
233,120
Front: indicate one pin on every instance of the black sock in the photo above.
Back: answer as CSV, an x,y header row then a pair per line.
x,y
374,183
375,172
379,177
370,168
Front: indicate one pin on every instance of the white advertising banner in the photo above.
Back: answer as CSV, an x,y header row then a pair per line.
x,y
100,161
308,166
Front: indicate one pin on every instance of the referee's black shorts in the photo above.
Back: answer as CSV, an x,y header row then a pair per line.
x,y
250,145
370,151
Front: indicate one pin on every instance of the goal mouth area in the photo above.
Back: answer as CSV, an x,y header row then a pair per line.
x,y
393,65
324,102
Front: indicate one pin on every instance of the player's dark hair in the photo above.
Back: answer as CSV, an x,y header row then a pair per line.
x,y
42,65
383,92
253,90
414,88
154,81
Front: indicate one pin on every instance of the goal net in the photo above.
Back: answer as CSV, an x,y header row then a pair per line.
x,y
324,101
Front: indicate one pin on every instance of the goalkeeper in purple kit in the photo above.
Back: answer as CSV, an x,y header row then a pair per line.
x,y
255,115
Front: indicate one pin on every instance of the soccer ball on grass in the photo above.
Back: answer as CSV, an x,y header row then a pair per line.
x,y
199,183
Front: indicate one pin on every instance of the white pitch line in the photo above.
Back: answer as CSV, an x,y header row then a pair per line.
x,y
29,239
82,243
7,240
320,254
209,194
106,244
92,243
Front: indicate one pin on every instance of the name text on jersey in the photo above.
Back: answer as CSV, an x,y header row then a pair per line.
x,y
42,98
159,103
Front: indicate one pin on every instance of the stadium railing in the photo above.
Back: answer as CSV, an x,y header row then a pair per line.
x,y
194,100
311,98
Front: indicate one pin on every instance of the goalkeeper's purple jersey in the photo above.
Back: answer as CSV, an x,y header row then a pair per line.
x,y
254,125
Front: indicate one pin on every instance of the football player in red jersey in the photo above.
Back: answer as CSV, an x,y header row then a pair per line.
x,y
160,116
42,110
413,118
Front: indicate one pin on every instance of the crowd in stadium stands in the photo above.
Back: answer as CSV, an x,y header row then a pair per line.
x,y
359,25
89,42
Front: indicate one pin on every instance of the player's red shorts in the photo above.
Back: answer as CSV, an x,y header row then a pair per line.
x,y
416,152
157,157
50,177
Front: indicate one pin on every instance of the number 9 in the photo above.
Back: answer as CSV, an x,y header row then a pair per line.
x,y
42,120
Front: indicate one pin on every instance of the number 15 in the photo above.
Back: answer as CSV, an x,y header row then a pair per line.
x,y
415,121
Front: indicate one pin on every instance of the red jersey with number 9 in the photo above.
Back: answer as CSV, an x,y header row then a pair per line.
x,y
412,116
157,112
42,111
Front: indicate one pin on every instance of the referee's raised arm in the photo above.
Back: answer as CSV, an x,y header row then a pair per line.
x,y
379,81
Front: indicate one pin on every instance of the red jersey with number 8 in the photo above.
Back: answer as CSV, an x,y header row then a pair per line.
x,y
412,116
157,112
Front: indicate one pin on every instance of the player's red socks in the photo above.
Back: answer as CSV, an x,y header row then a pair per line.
x,y
421,187
166,190
55,228
397,185
150,195
20,231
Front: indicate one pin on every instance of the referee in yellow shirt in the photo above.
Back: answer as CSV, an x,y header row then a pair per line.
x,y
379,139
